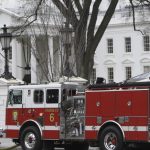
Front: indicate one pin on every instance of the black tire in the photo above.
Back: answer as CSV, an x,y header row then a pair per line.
x,y
111,139
30,139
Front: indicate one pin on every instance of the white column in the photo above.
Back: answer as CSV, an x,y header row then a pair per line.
x,y
14,57
50,55
18,60
33,62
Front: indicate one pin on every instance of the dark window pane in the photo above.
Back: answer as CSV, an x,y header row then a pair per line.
x,y
38,96
52,96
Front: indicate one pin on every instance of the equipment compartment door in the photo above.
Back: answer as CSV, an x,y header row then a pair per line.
x,y
123,103
123,110
72,118
149,116
139,118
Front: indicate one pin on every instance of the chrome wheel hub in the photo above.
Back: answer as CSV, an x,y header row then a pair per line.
x,y
30,140
110,141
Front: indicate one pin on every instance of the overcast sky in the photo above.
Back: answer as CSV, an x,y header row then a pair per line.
x,y
15,3
9,3
12,3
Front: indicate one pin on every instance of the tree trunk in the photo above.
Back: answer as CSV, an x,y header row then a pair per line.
x,y
80,40
84,23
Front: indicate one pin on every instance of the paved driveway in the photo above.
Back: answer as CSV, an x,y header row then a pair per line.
x,y
5,143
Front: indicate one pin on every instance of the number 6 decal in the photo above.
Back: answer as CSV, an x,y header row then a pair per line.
x,y
52,118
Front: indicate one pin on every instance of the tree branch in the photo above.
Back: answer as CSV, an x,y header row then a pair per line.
x,y
133,11
27,22
61,7
71,10
79,7
85,13
65,12
93,20
102,27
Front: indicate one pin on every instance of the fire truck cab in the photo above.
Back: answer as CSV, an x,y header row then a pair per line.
x,y
40,116
52,115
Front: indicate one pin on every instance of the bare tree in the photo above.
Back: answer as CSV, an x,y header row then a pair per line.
x,y
39,33
82,16
140,5
48,69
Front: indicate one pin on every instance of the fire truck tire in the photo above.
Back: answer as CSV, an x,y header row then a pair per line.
x,y
31,139
111,139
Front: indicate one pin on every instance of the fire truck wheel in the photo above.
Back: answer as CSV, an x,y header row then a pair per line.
x,y
111,139
30,139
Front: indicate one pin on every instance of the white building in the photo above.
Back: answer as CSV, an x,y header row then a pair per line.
x,y
23,54
123,52
9,18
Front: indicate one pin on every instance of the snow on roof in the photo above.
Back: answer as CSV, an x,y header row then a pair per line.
x,y
10,81
73,79
50,85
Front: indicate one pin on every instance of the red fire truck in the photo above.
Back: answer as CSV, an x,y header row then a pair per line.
x,y
55,114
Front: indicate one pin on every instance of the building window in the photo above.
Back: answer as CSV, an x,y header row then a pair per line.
x,y
110,45
110,74
93,79
128,72
146,43
38,96
128,44
146,69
